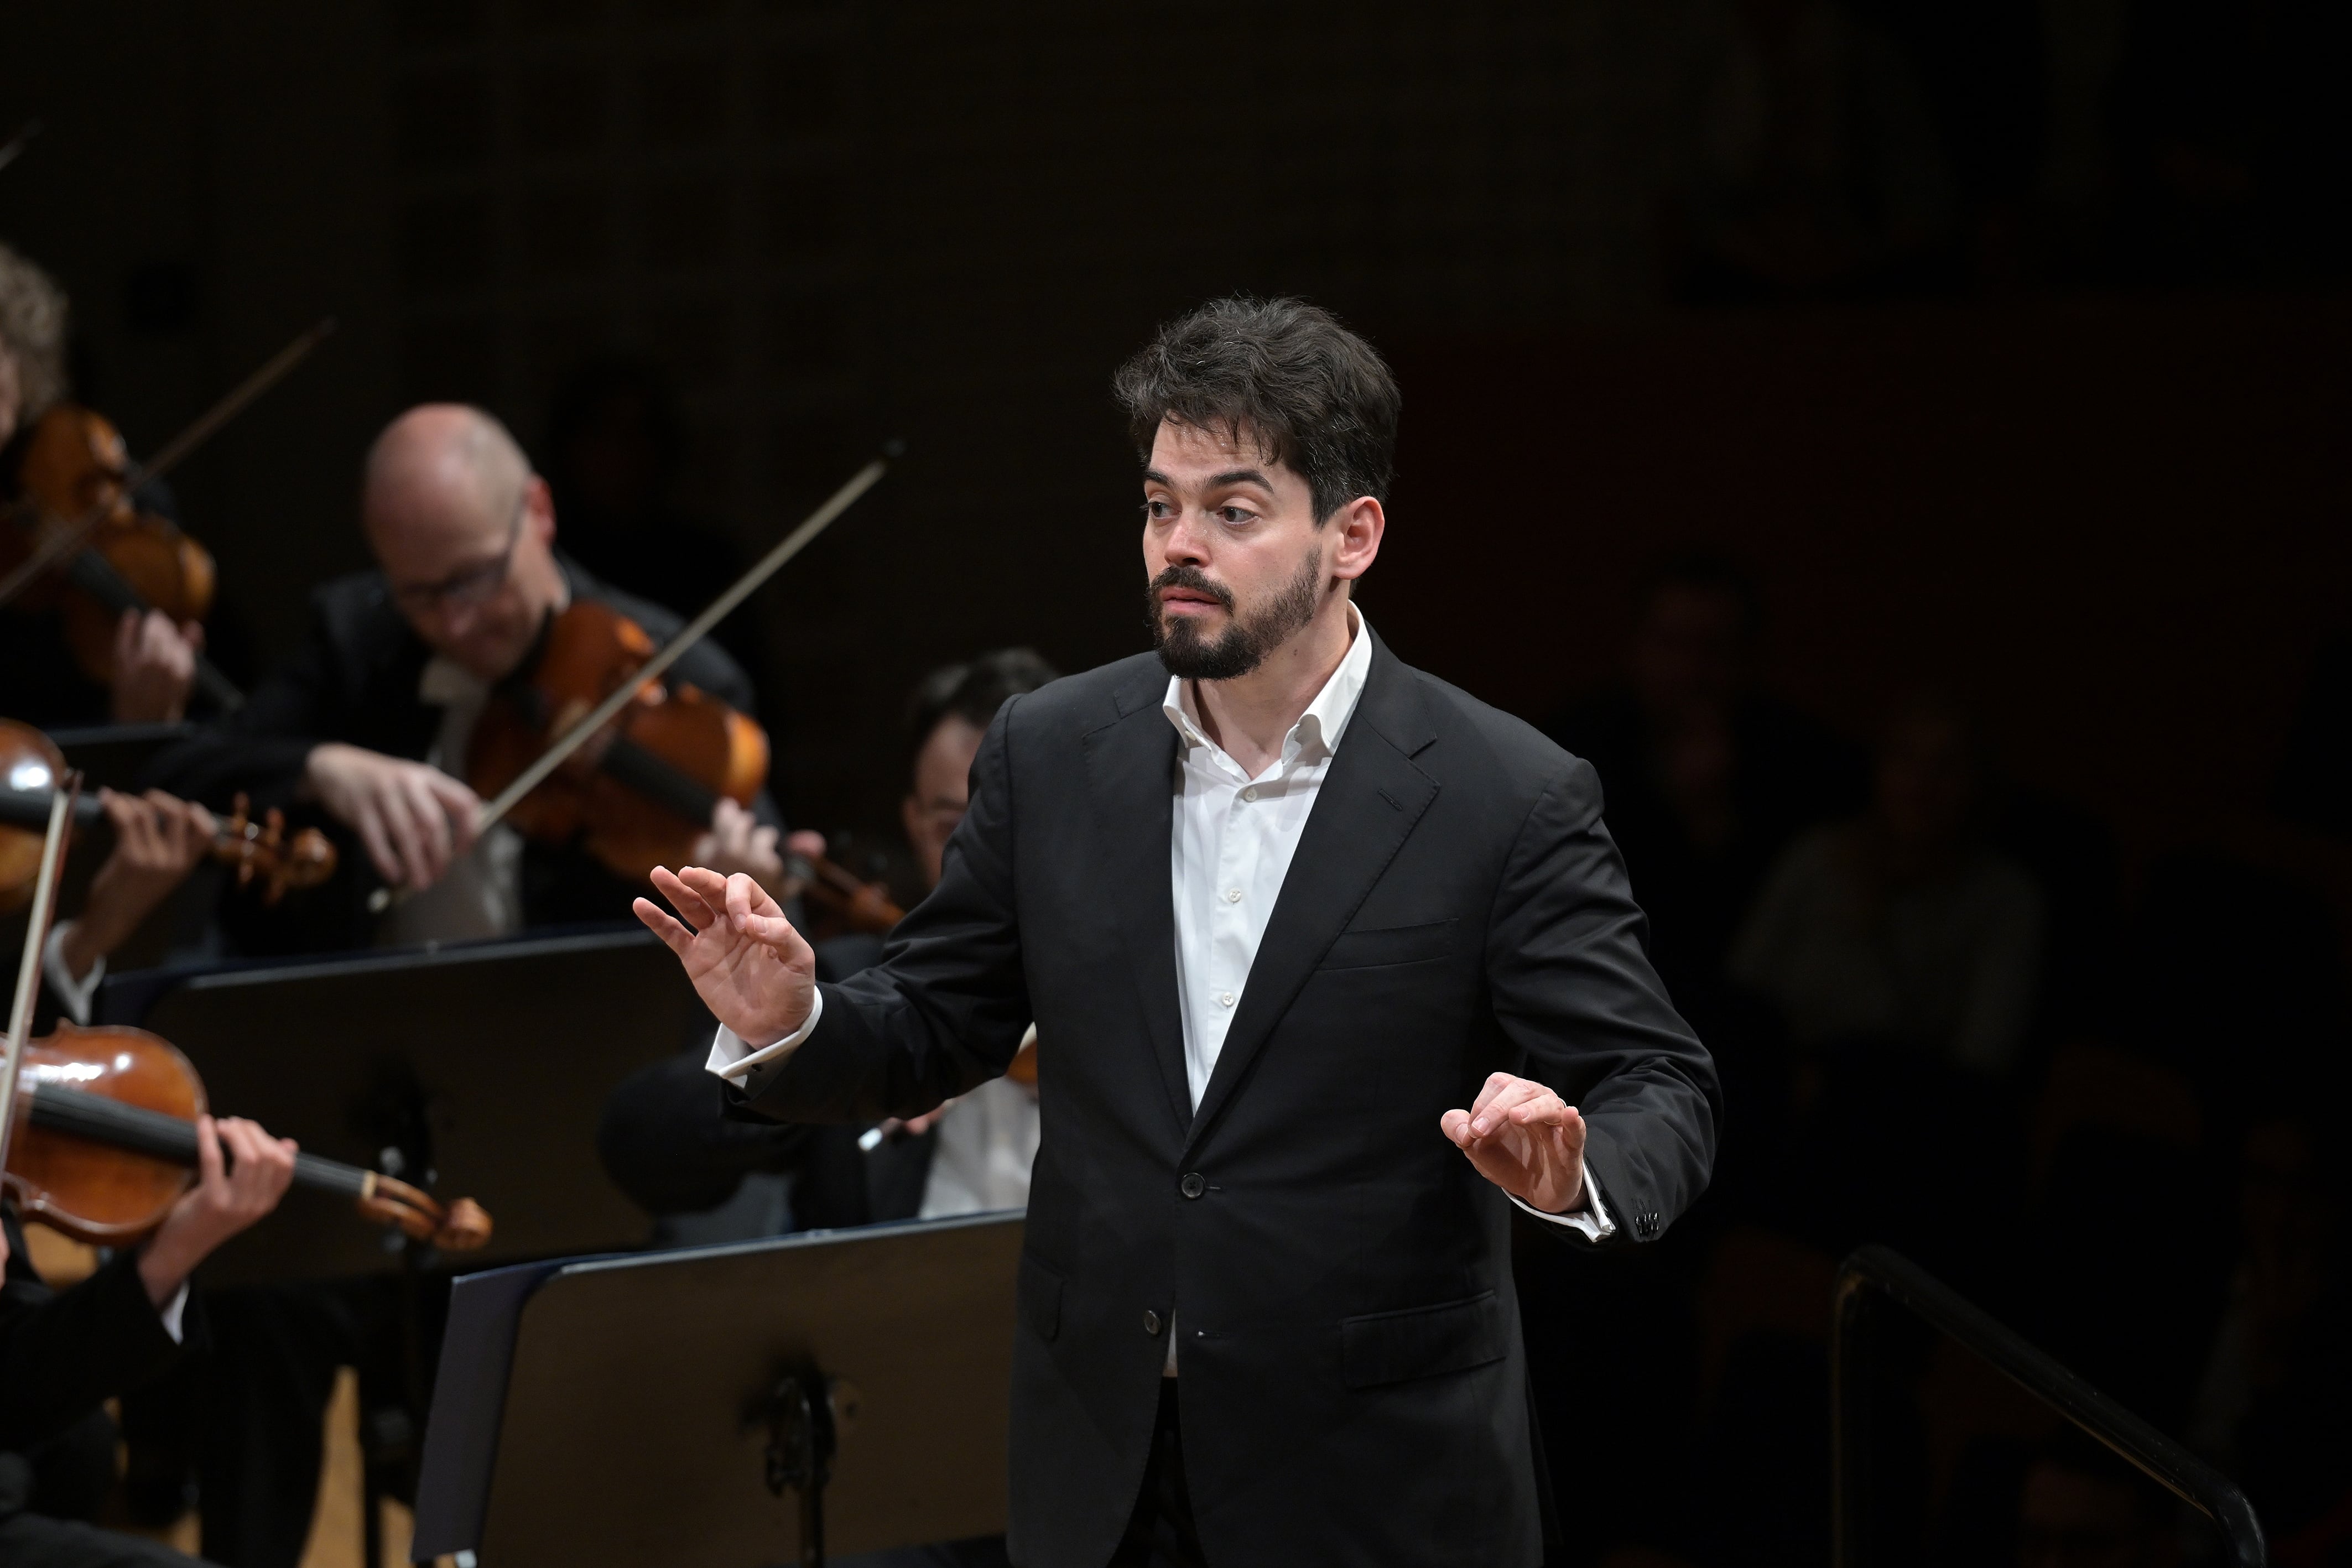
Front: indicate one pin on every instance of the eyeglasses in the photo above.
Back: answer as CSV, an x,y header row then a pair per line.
x,y
470,588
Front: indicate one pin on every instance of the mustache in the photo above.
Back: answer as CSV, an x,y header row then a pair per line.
x,y
1192,578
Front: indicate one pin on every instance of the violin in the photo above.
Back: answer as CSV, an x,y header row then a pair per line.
x,y
106,1140
30,763
76,472
98,1125
840,900
640,793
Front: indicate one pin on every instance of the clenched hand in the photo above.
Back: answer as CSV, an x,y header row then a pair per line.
x,y
1526,1140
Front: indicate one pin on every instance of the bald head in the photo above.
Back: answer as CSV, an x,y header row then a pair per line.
x,y
464,531
440,469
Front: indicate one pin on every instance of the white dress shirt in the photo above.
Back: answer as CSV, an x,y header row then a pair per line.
x,y
481,892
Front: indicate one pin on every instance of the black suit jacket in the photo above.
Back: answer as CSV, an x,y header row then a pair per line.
x,y
1353,1384
354,680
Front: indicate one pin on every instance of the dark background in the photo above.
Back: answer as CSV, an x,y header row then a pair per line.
x,y
2004,341
2084,476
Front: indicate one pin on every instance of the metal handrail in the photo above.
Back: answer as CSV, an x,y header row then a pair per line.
x,y
1888,1272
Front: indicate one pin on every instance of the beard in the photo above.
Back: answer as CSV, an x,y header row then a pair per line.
x,y
1246,640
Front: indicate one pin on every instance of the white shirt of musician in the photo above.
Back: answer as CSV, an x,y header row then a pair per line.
x,y
481,894
1230,848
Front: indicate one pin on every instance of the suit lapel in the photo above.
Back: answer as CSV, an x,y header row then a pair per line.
x,y
1370,802
1131,771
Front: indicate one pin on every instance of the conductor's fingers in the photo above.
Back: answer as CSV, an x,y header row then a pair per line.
x,y
708,884
684,899
1511,1097
744,898
1455,1125
657,921
1495,1084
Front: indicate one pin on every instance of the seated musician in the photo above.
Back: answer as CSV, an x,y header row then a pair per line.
x,y
369,722
665,1142
63,1353
155,660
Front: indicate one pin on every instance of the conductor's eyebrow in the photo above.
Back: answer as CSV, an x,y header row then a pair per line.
x,y
1216,481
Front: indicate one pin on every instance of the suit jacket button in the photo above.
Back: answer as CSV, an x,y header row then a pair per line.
x,y
1152,1322
1193,1185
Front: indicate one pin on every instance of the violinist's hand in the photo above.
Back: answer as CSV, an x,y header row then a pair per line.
x,y
158,839
414,819
736,843
154,667
223,1202
1522,1137
751,969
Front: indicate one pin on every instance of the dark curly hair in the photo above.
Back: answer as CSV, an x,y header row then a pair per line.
x,y
1309,392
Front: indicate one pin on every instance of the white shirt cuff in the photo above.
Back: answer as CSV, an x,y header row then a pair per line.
x,y
732,1059
173,1312
1590,1218
77,995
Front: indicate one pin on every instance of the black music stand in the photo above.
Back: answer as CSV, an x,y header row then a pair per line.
x,y
727,1406
484,1066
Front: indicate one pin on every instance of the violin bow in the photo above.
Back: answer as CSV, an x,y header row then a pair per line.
x,y
68,540
36,937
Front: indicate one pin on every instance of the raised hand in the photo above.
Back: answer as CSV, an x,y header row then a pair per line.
x,y
753,970
1526,1140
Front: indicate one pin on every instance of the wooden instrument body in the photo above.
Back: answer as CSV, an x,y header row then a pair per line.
x,y
28,760
639,795
97,1193
75,462
263,855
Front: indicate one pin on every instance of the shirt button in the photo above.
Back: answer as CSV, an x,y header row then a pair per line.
x,y
1193,1185
1152,1322
1232,895
1227,998
1250,794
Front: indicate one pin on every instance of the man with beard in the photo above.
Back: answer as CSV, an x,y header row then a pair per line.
x,y
1305,927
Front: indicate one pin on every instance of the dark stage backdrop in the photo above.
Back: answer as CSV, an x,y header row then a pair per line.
x,y
2119,521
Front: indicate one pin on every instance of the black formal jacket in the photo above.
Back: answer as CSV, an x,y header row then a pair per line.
x,y
354,680
1353,1384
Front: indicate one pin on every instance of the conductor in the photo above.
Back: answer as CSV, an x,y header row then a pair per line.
x,y
1331,963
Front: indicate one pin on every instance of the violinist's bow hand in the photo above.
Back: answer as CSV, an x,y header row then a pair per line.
x,y
1526,1140
753,970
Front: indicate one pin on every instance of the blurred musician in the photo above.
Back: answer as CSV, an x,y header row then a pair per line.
x,y
370,720
710,1179
62,1353
155,660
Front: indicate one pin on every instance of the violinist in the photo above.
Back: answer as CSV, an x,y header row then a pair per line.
x,y
707,1178
370,721
62,1353
153,657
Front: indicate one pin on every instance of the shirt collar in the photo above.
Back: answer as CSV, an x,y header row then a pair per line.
x,y
1326,718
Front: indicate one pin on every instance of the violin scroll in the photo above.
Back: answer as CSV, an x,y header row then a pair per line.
x,y
262,851
461,1227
